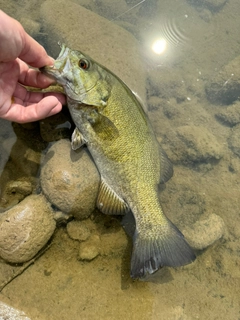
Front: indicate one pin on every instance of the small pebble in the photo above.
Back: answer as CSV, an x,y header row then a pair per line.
x,y
89,249
78,230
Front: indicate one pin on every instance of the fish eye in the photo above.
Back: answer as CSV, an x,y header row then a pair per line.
x,y
83,64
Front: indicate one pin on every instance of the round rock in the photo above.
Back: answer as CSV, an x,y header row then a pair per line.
x,y
79,230
25,229
205,232
70,180
89,249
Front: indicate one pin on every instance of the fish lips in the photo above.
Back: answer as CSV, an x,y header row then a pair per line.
x,y
53,73
61,65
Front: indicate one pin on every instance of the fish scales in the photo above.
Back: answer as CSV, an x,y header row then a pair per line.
x,y
110,120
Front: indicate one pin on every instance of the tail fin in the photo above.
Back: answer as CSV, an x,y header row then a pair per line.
x,y
167,248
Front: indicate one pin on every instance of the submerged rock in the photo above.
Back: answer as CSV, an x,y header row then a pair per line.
x,y
205,232
55,128
70,180
230,116
89,249
224,88
25,229
32,27
195,144
213,5
16,191
80,230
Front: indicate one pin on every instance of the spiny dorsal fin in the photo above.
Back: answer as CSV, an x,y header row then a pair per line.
x,y
166,168
109,202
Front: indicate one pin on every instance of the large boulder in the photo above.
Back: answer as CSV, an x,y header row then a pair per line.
x,y
25,229
70,180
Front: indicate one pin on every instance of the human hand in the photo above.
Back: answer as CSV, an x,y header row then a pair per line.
x,y
18,52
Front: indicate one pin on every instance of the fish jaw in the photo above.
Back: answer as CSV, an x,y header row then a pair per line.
x,y
65,72
82,85
60,66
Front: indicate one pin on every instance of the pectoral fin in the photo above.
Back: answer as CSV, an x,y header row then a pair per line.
x,y
77,139
103,127
109,202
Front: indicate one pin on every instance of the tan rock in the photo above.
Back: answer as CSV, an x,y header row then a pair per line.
x,y
79,230
89,249
70,180
25,229
197,144
224,87
205,232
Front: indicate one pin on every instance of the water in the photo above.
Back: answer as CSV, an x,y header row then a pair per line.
x,y
200,39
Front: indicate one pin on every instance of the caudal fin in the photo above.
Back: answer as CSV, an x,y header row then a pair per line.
x,y
167,248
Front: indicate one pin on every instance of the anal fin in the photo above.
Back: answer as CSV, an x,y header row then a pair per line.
x,y
109,202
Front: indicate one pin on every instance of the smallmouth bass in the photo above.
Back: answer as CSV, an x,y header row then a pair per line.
x,y
110,120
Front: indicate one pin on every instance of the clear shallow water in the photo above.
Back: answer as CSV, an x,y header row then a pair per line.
x,y
200,40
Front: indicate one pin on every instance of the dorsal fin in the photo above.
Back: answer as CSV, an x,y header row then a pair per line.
x,y
109,202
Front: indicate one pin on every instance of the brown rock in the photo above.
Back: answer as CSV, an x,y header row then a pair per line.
x,y
55,128
89,249
224,87
25,229
231,115
205,232
80,230
70,180
195,144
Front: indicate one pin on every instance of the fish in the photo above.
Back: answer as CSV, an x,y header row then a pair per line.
x,y
111,122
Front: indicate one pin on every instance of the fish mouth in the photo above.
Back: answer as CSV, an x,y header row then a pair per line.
x,y
63,71
60,65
